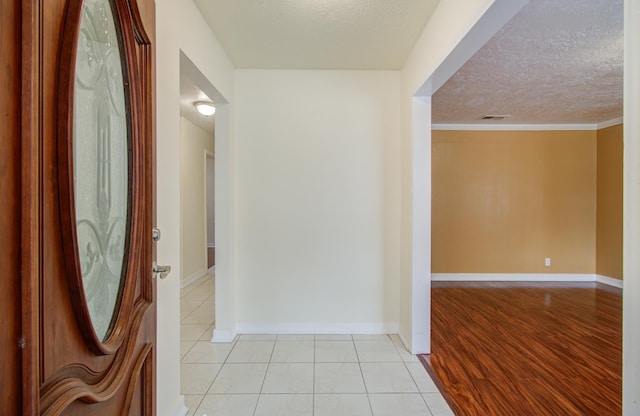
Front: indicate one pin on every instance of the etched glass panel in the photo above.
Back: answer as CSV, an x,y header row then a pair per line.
x,y
100,155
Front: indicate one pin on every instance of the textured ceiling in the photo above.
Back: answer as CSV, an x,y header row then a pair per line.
x,y
190,93
317,34
556,62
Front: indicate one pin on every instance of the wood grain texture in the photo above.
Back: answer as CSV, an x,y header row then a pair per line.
x,y
10,229
527,349
31,202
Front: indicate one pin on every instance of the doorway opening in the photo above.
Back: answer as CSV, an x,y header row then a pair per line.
x,y
210,209
203,208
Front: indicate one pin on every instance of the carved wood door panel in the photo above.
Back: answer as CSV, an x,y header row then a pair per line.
x,y
91,350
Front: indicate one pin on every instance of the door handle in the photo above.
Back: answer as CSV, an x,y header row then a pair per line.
x,y
163,271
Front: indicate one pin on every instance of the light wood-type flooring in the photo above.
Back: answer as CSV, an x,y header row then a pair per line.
x,y
518,349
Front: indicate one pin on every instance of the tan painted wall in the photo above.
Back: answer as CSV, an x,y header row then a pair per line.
x,y
609,200
505,200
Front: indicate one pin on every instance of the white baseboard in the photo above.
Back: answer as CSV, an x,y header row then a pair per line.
x,y
611,281
511,277
525,277
180,409
193,278
223,336
314,328
212,269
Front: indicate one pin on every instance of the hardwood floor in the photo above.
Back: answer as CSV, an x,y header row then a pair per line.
x,y
518,349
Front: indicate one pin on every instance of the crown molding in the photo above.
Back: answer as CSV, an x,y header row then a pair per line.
x,y
527,127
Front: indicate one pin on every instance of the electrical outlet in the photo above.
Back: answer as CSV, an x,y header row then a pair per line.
x,y
547,261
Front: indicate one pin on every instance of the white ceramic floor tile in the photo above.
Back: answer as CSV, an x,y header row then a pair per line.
x,y
207,352
199,317
206,306
257,337
239,378
228,405
372,337
387,378
251,352
333,337
293,352
338,378
422,378
398,404
197,378
405,355
395,338
289,378
295,337
335,352
285,405
437,404
208,334
186,307
189,289
192,332
185,346
380,351
277,375
198,294
192,401
341,405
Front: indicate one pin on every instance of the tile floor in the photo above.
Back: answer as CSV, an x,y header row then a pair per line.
x,y
291,375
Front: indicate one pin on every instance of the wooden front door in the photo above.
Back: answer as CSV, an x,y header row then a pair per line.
x,y
78,335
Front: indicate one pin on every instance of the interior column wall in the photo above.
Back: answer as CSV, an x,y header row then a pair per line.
x,y
181,27
631,218
456,30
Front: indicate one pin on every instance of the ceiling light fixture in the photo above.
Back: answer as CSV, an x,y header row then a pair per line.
x,y
206,108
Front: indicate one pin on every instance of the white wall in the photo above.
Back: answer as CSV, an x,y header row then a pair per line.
x,y
179,26
195,142
318,191
631,247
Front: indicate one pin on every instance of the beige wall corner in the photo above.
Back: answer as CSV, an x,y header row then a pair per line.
x,y
609,202
195,142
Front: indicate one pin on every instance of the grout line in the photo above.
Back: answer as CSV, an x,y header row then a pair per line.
x,y
197,407
265,375
268,365
188,351
366,389
313,380
418,387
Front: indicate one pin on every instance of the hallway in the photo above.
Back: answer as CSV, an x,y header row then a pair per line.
x,y
314,375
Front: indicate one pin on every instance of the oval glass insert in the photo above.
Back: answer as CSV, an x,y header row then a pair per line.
x,y
101,163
